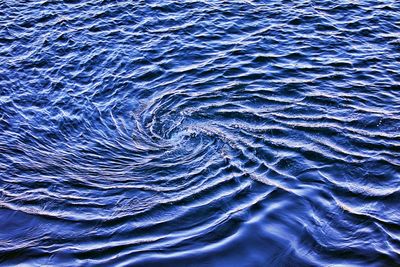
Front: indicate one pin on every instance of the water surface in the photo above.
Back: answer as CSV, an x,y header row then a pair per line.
x,y
199,133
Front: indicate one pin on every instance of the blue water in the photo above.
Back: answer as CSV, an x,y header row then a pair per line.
x,y
199,133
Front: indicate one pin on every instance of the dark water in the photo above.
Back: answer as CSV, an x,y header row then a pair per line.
x,y
199,133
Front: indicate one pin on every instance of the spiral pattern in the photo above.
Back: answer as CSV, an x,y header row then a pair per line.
x,y
199,133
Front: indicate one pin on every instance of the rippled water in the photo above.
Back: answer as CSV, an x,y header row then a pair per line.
x,y
199,133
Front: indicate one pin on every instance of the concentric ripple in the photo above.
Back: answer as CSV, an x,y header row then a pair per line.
x,y
199,133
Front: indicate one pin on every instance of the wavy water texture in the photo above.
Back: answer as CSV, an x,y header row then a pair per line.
x,y
199,133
